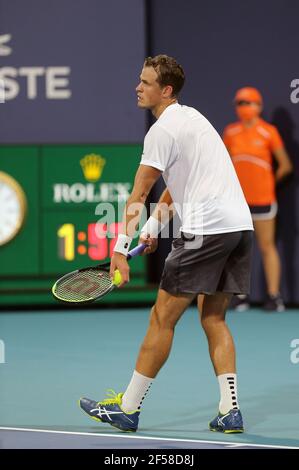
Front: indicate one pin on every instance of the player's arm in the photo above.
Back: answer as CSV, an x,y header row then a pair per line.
x,y
145,178
164,210
161,216
284,163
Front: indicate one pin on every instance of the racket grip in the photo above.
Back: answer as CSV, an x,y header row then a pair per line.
x,y
137,250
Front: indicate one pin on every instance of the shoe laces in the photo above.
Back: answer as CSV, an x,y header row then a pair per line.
x,y
113,398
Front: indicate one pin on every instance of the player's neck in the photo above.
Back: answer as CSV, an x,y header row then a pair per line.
x,y
158,110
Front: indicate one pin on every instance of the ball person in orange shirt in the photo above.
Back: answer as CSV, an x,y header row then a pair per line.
x,y
252,144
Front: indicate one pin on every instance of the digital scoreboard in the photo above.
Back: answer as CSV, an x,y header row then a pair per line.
x,y
97,241
61,209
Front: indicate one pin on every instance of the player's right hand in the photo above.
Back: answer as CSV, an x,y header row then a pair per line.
x,y
151,242
119,261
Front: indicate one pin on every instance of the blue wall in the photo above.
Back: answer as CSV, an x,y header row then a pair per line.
x,y
98,46
224,46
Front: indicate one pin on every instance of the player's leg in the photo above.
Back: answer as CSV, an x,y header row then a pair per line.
x,y
234,278
265,235
122,410
222,352
157,343
200,299
221,345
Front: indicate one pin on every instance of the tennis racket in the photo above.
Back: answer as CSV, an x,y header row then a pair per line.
x,y
88,284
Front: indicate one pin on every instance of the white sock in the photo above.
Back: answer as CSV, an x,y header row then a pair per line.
x,y
136,391
228,393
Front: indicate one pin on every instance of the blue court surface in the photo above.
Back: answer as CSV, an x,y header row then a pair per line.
x,y
50,359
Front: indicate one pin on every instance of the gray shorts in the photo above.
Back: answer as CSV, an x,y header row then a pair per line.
x,y
208,264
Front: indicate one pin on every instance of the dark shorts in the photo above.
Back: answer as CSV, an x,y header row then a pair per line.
x,y
208,264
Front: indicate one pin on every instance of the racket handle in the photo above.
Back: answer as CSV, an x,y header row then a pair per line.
x,y
137,250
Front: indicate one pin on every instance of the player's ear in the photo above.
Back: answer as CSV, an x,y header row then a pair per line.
x,y
168,91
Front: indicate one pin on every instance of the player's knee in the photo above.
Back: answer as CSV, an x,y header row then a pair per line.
x,y
159,318
156,317
209,322
204,322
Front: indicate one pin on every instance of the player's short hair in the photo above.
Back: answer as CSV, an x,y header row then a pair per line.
x,y
168,70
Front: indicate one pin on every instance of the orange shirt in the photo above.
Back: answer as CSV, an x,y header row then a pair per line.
x,y
251,152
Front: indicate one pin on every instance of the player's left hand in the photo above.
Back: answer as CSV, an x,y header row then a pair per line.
x,y
151,242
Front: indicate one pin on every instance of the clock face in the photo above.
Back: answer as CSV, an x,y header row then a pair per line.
x,y
12,207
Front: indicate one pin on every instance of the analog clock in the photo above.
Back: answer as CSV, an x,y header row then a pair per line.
x,y
12,207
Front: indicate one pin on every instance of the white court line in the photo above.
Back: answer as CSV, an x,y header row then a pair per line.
x,y
121,436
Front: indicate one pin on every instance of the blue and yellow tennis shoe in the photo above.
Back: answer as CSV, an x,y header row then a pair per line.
x,y
228,423
110,411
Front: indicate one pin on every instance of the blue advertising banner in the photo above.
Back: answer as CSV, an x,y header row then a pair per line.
x,y
68,71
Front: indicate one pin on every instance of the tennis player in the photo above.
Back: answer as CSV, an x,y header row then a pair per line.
x,y
210,261
252,143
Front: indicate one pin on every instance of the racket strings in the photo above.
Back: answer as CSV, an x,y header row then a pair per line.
x,y
84,285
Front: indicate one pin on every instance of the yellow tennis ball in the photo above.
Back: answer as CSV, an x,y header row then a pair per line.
x,y
117,277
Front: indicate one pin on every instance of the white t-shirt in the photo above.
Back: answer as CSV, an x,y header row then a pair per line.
x,y
197,171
